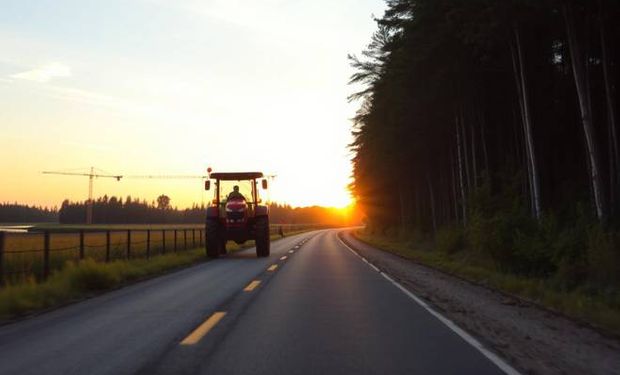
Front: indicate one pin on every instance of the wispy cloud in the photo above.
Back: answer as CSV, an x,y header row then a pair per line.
x,y
45,73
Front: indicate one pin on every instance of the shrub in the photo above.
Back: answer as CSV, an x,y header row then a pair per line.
x,y
449,240
90,276
603,258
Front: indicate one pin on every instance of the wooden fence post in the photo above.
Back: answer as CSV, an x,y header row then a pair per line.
x,y
193,238
184,239
46,254
107,246
128,243
163,239
2,258
175,240
81,244
148,243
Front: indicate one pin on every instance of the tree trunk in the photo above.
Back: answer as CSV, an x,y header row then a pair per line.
x,y
484,143
579,75
432,196
418,214
455,197
473,156
614,157
461,177
527,125
402,209
465,152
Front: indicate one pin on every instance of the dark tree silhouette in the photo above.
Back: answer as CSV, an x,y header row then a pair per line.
x,y
496,117
163,202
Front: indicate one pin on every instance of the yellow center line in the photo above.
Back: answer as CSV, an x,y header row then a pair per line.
x,y
251,286
203,329
272,267
283,258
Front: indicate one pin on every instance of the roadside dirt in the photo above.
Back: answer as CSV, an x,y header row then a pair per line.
x,y
533,340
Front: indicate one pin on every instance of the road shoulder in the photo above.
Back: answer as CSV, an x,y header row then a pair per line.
x,y
535,340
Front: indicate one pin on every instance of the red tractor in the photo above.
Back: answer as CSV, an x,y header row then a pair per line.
x,y
235,213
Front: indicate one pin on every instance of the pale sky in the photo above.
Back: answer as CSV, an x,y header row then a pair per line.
x,y
173,87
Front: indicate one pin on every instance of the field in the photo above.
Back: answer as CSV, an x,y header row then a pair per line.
x,y
24,253
24,256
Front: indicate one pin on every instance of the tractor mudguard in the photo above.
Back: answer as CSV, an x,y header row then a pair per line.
x,y
213,212
262,211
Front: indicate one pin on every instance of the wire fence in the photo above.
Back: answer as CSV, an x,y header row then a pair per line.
x,y
36,255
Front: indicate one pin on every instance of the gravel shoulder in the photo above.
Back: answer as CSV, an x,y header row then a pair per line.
x,y
534,340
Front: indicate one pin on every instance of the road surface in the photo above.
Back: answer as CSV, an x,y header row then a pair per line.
x,y
312,307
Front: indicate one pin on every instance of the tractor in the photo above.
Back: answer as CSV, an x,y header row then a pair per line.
x,y
235,213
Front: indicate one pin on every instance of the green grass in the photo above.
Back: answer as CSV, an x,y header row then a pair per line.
x,y
78,280
579,304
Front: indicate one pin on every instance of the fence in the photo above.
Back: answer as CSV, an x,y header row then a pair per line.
x,y
36,255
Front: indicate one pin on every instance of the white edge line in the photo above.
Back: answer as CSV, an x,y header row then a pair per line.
x,y
497,361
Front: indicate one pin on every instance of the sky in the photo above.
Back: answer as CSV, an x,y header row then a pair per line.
x,y
162,87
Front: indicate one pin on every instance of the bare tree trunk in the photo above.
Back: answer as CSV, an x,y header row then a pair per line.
x,y
473,156
579,74
418,214
402,209
461,177
527,125
432,196
614,157
465,152
484,143
454,193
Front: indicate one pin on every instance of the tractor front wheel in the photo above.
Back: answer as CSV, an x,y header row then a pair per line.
x,y
262,237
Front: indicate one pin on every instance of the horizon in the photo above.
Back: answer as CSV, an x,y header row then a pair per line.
x,y
153,201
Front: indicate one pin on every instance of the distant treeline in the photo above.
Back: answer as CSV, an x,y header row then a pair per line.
x,y
19,213
113,210
285,214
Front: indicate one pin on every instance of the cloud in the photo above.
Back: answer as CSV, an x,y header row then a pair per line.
x,y
45,73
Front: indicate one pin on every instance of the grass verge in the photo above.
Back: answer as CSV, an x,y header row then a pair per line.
x,y
88,278
84,279
601,313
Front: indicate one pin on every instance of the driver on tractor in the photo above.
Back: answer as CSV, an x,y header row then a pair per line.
x,y
235,194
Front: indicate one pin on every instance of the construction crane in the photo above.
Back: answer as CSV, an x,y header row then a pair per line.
x,y
99,173
94,172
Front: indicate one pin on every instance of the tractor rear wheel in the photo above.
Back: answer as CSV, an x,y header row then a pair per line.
x,y
222,244
262,237
213,240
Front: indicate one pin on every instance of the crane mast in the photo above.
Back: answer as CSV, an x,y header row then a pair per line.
x,y
91,176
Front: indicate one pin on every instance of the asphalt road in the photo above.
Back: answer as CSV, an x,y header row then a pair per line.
x,y
322,310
